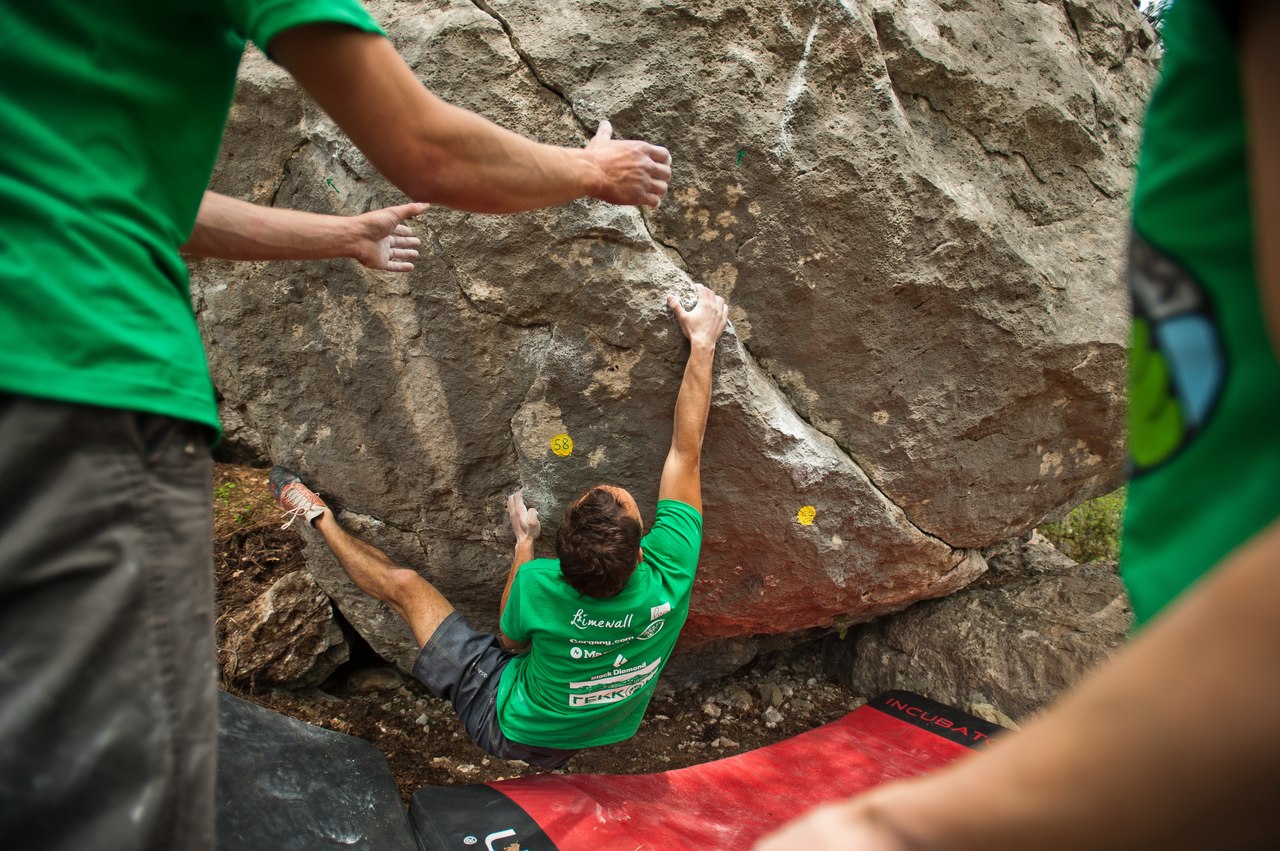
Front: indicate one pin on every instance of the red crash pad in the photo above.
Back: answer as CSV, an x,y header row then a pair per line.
x,y
726,804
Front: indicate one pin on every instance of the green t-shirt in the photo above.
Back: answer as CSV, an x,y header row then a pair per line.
x,y
1204,394
112,117
592,664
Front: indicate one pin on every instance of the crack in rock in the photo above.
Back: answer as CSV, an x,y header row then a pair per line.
x,y
845,452
794,90
528,61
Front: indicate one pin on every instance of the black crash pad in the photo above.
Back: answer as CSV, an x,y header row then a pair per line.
x,y
284,785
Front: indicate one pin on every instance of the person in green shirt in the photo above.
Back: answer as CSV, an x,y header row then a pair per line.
x,y
583,637
112,117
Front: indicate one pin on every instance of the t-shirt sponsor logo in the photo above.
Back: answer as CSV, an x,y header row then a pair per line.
x,y
658,611
620,661
608,642
582,620
612,688
583,653
651,630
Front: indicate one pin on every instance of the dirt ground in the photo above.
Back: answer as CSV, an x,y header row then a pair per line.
x,y
774,698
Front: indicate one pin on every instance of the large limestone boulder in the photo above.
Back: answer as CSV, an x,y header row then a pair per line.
x,y
916,210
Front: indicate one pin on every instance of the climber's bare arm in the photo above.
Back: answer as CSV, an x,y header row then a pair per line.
x,y
526,528
440,153
703,325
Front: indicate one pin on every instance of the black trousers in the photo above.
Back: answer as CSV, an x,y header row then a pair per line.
x,y
108,694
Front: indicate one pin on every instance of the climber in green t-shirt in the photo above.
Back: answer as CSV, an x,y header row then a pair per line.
x,y
583,636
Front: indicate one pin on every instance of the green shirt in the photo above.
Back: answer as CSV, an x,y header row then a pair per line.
x,y
1204,397
592,664
112,116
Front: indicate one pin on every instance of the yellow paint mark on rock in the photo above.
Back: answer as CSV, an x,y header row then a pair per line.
x,y
806,514
562,444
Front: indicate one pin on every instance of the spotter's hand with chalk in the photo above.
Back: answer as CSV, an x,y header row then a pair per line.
x,y
232,229
382,241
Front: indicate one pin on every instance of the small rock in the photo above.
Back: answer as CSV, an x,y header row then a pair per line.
x,y
737,697
711,709
989,712
370,680
800,705
772,717
771,694
723,742
423,720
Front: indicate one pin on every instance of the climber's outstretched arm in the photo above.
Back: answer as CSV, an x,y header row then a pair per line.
x,y
703,325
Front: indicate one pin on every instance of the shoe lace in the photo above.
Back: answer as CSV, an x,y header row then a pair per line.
x,y
299,504
293,514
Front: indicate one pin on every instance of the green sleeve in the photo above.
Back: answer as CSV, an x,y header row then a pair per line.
x,y
672,545
262,20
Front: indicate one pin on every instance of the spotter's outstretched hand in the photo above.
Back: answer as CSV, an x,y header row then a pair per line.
x,y
630,171
384,242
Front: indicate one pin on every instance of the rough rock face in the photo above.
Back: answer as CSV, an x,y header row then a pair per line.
x,y
288,636
1002,648
915,208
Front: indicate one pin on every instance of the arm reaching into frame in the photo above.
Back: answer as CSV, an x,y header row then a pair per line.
x,y
437,152
237,230
703,325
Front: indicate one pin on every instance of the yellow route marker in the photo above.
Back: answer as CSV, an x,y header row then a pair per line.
x,y
562,444
806,514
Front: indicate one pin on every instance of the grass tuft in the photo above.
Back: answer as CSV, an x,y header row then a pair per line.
x,y
1091,532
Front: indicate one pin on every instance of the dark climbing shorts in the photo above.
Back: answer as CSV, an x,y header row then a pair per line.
x,y
464,666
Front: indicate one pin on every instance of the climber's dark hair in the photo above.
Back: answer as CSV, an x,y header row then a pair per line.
x,y
598,544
